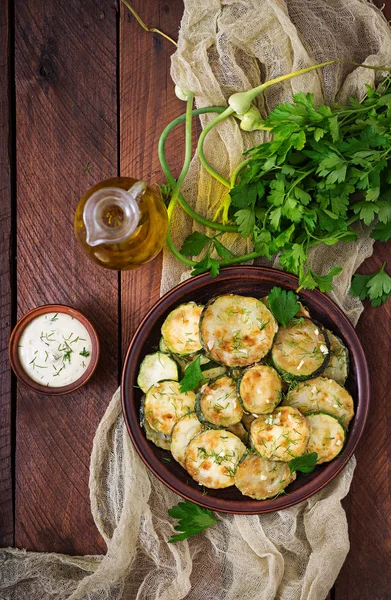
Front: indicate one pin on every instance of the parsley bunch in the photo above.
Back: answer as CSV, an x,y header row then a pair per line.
x,y
326,167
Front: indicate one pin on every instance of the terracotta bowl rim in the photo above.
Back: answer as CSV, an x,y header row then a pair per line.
x,y
246,506
14,357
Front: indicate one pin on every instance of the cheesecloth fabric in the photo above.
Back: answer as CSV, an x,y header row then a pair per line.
x,y
295,553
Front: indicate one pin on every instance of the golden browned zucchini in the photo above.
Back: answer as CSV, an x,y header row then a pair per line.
x,y
237,331
282,435
327,436
217,403
322,394
183,431
260,478
165,404
259,389
180,330
301,350
212,458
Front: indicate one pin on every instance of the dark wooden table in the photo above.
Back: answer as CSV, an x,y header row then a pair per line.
x,y
84,94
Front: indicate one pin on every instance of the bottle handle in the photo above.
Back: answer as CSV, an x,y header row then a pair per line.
x,y
98,229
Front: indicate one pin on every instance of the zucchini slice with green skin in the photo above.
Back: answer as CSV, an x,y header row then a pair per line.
x,y
217,403
259,389
282,435
301,350
322,394
338,367
183,431
237,331
180,330
165,404
212,458
260,478
156,367
327,436
159,439
162,346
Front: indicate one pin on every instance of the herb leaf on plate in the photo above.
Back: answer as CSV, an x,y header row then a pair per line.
x,y
192,377
304,464
283,305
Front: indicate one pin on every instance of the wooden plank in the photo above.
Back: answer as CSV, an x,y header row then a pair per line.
x,y
6,491
148,104
366,573
66,141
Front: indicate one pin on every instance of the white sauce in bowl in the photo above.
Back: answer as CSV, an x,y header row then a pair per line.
x,y
55,349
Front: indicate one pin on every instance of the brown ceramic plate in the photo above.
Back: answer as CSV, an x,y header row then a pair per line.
x,y
14,356
256,282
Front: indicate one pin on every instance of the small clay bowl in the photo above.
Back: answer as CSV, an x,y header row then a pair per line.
x,y
256,282
14,354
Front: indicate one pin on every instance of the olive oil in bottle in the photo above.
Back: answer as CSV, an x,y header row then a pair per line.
x,y
121,223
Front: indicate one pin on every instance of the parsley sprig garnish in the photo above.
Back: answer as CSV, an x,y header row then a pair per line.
x,y
192,519
283,305
375,287
304,464
192,377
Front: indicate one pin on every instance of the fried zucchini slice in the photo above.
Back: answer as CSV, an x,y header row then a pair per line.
x,y
165,404
162,346
217,403
338,367
180,329
237,331
301,350
159,439
259,389
327,436
322,394
212,458
260,478
183,431
154,368
282,435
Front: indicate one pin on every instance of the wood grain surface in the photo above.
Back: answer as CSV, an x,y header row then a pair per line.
x,y
93,92
66,128
6,242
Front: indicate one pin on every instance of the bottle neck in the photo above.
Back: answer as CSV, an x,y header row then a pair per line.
x,y
112,214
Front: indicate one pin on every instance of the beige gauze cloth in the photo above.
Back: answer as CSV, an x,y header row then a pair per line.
x,y
295,553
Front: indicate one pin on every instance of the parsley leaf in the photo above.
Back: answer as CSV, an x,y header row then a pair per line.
x,y
194,244
192,519
207,264
192,377
325,282
359,286
245,219
283,305
382,232
376,286
221,250
304,464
